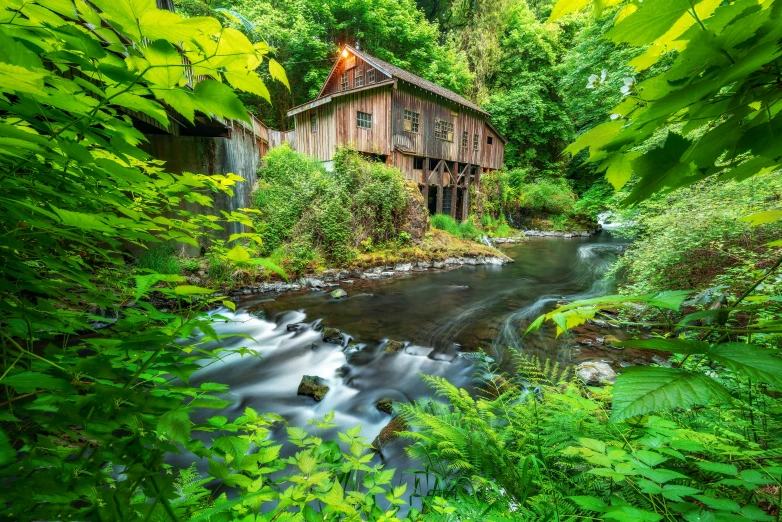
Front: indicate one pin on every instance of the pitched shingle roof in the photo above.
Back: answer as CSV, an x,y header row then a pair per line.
x,y
397,72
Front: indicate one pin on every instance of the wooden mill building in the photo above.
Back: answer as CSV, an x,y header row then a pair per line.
x,y
437,138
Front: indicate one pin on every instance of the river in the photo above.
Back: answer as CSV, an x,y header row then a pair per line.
x,y
438,314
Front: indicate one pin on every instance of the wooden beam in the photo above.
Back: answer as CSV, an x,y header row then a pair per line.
x,y
453,189
425,174
478,178
466,195
440,176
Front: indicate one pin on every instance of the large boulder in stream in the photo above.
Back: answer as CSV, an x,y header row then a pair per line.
x,y
338,293
312,386
596,373
332,335
393,346
385,405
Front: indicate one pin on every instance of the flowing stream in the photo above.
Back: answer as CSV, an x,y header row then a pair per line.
x,y
440,315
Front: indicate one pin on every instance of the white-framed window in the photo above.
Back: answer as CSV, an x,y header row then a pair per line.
x,y
371,76
344,82
364,120
411,120
443,130
475,141
359,81
313,122
464,139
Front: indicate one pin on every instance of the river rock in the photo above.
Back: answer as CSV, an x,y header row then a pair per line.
x,y
312,386
596,373
611,340
424,264
294,327
338,293
389,433
438,264
370,275
389,273
403,267
661,361
393,346
332,335
385,405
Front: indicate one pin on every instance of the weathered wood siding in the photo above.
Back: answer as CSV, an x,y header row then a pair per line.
x,y
337,124
494,154
359,66
423,143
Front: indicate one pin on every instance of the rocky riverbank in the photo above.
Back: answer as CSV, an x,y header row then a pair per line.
x,y
563,234
335,277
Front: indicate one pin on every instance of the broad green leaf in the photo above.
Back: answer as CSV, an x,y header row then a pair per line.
x,y
675,492
671,299
165,65
644,389
595,138
719,467
631,514
762,218
175,425
759,364
278,72
26,382
234,446
589,503
213,97
7,453
238,254
566,7
668,345
335,496
652,20
722,504
620,168
192,290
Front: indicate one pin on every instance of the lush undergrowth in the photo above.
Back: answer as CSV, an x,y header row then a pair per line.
x,y
464,229
540,203
309,219
718,249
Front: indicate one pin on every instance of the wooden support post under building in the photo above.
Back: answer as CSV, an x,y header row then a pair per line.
x,y
454,179
478,178
466,195
425,175
440,167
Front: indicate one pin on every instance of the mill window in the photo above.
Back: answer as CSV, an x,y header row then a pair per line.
x,y
371,76
364,120
313,123
475,141
489,140
411,121
443,130
418,163
359,79
345,81
464,139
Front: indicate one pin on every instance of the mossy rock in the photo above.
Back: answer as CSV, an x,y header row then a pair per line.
x,y
393,346
332,335
312,386
338,293
385,405
389,433
610,340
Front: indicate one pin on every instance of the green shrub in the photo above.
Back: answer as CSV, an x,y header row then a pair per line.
x,y
546,196
327,216
464,230
161,258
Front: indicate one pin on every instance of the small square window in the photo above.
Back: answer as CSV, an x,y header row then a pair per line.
x,y
345,81
313,123
443,130
489,140
464,139
411,121
418,163
364,120
359,79
371,76
475,141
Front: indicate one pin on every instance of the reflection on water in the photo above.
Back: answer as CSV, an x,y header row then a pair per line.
x,y
438,315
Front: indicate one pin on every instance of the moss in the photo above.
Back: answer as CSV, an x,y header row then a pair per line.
x,y
393,346
389,433
385,405
312,386
332,335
